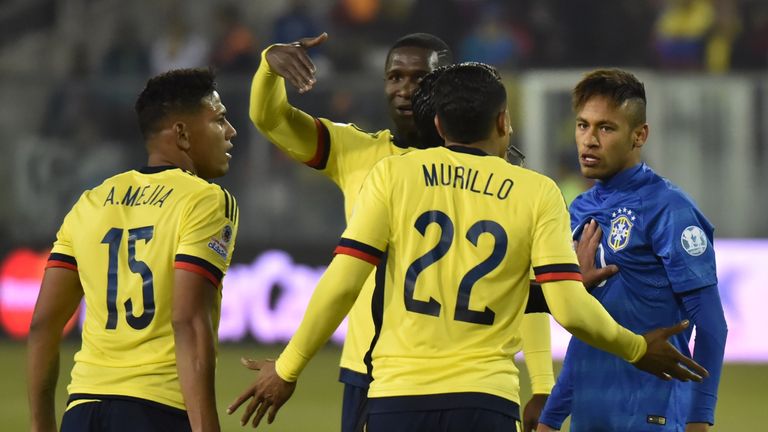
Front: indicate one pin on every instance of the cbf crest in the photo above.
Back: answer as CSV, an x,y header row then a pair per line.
x,y
622,221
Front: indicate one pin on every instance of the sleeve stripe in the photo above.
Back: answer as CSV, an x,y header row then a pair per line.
x,y
231,211
557,268
556,272
357,254
362,247
235,210
323,150
558,276
198,270
191,263
60,264
63,258
226,203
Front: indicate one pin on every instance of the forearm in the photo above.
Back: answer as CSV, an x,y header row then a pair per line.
x,y
584,317
289,128
196,365
42,374
537,350
60,294
334,296
558,406
706,312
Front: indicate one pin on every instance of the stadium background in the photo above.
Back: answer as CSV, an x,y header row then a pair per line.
x,y
72,68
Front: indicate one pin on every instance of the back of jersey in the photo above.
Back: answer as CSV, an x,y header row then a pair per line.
x,y
461,230
124,238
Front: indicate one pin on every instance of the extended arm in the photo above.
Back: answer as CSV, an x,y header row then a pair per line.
x,y
584,317
194,299
331,301
292,130
60,294
706,312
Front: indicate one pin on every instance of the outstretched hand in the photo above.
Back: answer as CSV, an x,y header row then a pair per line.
x,y
269,392
586,248
665,361
292,62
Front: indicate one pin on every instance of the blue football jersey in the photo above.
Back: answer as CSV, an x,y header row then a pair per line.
x,y
662,245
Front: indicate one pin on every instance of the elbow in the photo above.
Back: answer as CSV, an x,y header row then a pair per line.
x,y
259,119
564,316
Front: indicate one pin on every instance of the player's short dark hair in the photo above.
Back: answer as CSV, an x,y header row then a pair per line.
x,y
176,91
426,41
422,104
618,86
468,97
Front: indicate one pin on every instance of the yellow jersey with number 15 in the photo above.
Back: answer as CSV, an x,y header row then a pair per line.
x,y
125,237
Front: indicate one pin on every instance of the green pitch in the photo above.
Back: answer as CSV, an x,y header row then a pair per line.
x,y
316,405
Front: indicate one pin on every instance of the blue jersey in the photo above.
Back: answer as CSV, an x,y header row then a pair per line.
x,y
662,245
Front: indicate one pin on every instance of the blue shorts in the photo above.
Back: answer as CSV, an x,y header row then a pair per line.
x,y
445,412
124,414
353,406
450,420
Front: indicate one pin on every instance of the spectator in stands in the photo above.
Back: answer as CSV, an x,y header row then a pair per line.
x,y
178,48
492,40
751,48
295,23
235,47
681,33
127,54
725,30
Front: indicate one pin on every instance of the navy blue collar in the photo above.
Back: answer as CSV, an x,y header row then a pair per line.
x,y
469,150
156,169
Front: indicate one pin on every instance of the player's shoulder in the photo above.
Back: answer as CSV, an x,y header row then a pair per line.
x,y
662,193
354,133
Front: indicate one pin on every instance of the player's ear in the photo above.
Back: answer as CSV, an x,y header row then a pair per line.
x,y
182,136
503,124
640,135
439,128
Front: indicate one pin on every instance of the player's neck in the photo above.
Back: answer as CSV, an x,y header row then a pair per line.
x,y
486,146
159,159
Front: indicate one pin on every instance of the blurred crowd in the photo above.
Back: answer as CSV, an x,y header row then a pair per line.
x,y
712,36
699,36
80,109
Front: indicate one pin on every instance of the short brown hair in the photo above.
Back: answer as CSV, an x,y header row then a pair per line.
x,y
617,85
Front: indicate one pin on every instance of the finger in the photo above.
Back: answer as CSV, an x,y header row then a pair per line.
x,y
272,413
239,401
683,374
260,413
249,410
694,367
675,329
309,67
294,78
597,234
589,230
606,272
251,363
313,42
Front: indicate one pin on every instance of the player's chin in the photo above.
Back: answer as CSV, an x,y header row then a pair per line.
x,y
590,172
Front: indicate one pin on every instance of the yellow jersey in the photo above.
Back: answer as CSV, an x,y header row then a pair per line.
x,y
461,230
124,238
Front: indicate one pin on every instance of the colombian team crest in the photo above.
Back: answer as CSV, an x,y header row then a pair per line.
x,y
622,221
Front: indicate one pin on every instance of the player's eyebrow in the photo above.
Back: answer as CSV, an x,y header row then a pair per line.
x,y
601,122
